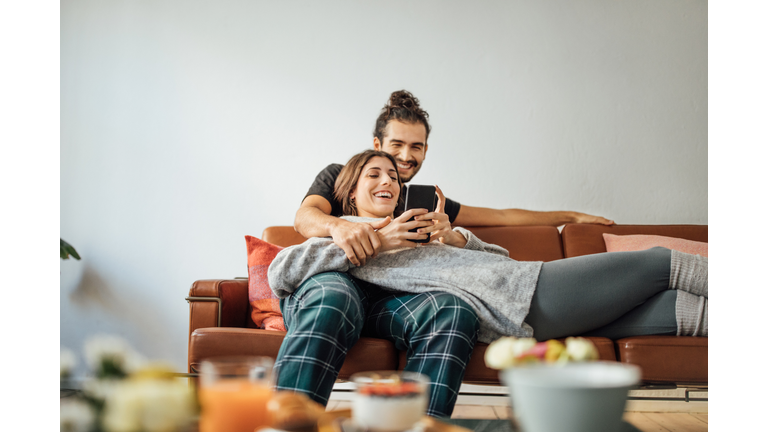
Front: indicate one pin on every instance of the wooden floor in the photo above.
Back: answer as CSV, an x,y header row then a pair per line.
x,y
644,421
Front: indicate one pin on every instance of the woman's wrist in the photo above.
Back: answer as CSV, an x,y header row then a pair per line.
x,y
456,239
384,240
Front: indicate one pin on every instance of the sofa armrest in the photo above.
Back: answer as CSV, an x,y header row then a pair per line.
x,y
218,303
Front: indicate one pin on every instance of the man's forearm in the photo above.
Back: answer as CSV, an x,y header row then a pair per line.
x,y
312,222
530,217
480,216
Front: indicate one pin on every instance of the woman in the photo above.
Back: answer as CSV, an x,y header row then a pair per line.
x,y
656,291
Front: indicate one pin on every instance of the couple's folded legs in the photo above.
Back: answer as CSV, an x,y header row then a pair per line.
x,y
613,294
621,294
329,313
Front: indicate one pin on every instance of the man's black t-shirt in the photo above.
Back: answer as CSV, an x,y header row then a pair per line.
x,y
325,181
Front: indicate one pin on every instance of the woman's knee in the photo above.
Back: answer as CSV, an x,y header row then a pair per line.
x,y
660,252
455,314
331,297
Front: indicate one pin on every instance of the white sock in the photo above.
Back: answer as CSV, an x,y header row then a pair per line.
x,y
692,314
689,273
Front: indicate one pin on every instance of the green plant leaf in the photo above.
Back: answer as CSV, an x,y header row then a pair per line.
x,y
67,250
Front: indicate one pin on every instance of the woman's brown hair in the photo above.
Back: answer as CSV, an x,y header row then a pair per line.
x,y
401,106
346,182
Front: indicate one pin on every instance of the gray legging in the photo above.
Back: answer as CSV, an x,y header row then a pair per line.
x,y
613,295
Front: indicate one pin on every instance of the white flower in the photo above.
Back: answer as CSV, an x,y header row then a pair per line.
x,y
522,345
67,361
581,349
502,352
151,405
75,415
110,355
99,389
498,355
134,361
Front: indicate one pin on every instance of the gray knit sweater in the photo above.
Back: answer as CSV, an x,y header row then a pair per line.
x,y
497,287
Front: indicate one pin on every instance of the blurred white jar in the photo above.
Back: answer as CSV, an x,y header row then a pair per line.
x,y
389,401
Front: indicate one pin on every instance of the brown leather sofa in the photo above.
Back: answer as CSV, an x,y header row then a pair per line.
x,y
220,324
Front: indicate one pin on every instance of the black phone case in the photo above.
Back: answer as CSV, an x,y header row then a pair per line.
x,y
420,196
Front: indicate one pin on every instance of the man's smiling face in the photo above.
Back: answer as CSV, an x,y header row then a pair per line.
x,y
407,142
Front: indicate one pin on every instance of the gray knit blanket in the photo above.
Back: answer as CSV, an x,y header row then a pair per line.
x,y
497,287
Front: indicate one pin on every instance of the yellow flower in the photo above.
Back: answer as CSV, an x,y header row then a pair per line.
x,y
555,351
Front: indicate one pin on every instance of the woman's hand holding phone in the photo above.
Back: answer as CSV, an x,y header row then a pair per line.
x,y
440,227
395,235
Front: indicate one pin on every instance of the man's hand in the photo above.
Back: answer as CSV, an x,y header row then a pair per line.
x,y
585,218
358,240
440,229
396,235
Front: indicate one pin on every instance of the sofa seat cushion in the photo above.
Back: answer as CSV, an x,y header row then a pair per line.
x,y
478,373
367,354
667,359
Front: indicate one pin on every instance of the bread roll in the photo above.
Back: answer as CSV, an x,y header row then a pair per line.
x,y
294,412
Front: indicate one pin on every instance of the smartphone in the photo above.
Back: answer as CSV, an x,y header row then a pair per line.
x,y
420,196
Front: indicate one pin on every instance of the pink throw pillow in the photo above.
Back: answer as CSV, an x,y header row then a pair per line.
x,y
265,306
616,243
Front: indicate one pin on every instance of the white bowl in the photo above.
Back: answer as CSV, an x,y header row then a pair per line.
x,y
381,412
576,397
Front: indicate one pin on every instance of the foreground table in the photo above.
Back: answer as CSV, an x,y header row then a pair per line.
x,y
337,421
476,425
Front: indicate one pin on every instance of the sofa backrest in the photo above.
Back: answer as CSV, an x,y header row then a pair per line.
x,y
586,239
529,243
282,236
524,243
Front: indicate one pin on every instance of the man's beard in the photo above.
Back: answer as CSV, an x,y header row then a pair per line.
x,y
414,167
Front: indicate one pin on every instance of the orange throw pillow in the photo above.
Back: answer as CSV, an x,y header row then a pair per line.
x,y
265,306
616,243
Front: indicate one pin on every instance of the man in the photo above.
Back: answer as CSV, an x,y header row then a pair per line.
x,y
402,130
328,313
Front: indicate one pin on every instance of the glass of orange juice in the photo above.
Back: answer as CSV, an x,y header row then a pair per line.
x,y
234,392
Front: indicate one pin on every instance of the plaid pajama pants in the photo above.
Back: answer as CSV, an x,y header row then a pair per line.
x,y
329,312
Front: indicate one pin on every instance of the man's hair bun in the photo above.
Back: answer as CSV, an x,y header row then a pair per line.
x,y
401,106
404,99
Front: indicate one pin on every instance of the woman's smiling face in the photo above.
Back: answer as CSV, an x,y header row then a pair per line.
x,y
377,189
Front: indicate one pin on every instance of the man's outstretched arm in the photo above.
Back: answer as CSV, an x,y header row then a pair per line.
x,y
481,216
358,240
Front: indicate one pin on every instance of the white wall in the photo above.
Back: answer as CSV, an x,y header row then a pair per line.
x,y
186,125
